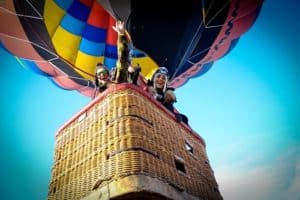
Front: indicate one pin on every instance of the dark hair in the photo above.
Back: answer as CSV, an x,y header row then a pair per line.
x,y
99,64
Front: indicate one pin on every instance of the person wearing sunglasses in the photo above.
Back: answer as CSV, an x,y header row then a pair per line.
x,y
102,77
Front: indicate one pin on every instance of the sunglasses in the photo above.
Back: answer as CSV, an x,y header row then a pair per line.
x,y
104,72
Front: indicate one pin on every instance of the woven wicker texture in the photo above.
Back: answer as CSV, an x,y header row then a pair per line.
x,y
126,133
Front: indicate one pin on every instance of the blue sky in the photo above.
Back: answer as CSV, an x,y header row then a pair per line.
x,y
246,108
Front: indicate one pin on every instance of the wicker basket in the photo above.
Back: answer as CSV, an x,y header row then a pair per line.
x,y
124,132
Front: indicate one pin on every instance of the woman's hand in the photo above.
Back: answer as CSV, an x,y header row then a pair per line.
x,y
119,27
169,97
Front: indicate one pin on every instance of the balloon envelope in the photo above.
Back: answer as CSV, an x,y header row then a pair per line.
x,y
65,39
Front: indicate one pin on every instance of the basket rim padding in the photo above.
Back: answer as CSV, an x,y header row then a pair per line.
x,y
125,86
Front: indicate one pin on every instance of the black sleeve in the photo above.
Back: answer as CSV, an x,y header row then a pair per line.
x,y
170,88
149,83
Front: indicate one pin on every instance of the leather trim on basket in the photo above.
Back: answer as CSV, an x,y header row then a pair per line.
x,y
131,115
133,149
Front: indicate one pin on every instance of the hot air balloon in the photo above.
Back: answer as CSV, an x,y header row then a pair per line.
x,y
64,40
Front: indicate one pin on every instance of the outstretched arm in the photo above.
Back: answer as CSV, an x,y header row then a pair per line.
x,y
122,45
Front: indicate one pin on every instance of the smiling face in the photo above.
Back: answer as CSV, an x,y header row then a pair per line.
x,y
160,81
102,74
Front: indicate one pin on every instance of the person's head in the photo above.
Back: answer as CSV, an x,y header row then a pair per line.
x,y
102,72
160,78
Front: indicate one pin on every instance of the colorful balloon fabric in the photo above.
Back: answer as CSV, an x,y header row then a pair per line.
x,y
65,39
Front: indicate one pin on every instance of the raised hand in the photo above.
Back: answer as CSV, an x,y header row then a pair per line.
x,y
119,27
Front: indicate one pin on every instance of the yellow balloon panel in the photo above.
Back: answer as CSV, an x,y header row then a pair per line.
x,y
87,64
66,44
52,19
147,64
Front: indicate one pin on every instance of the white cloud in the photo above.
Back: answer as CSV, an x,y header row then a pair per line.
x,y
276,180
247,184
293,191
